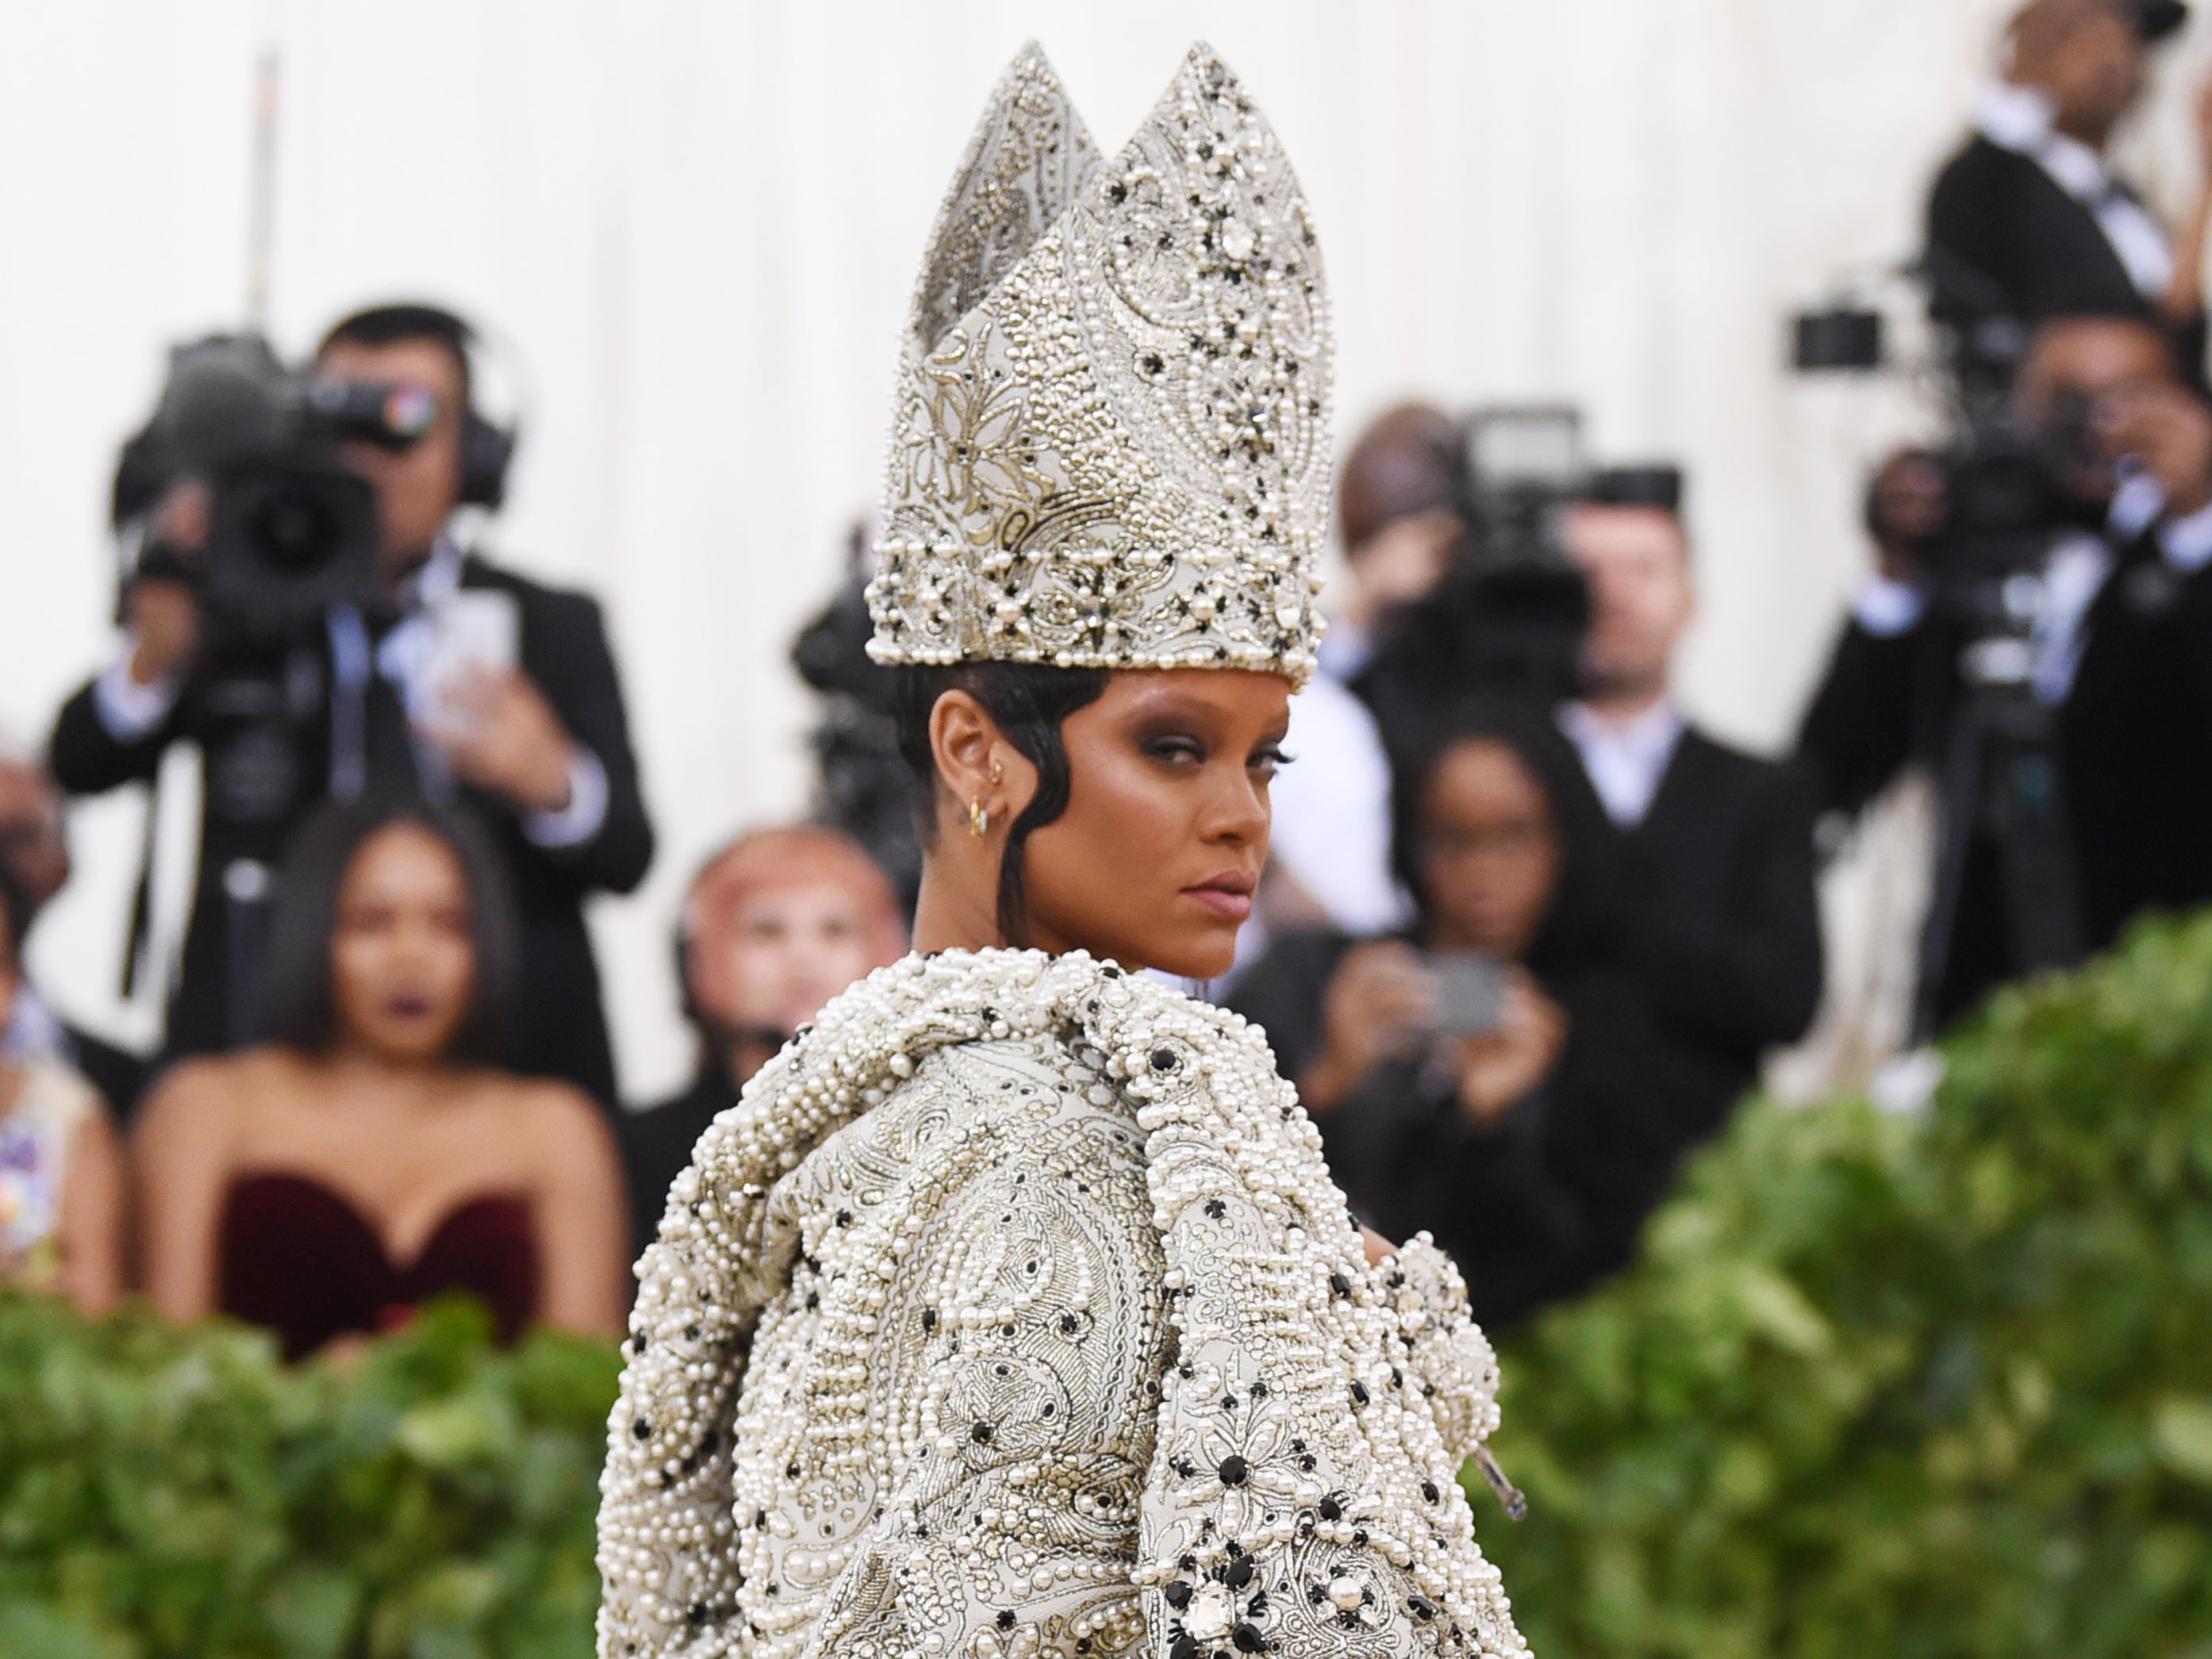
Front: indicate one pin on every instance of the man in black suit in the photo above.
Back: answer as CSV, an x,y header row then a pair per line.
x,y
34,847
1726,946
2120,647
2027,220
540,748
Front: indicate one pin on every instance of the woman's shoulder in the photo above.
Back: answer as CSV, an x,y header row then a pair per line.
x,y
207,1083
539,1106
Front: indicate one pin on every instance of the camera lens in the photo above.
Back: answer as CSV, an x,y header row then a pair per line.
x,y
293,530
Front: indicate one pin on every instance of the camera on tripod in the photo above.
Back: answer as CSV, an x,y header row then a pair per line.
x,y
290,533
1982,522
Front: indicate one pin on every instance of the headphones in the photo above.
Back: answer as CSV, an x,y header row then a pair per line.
x,y
487,447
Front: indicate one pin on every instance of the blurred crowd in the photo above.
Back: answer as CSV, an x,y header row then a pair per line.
x,y
1528,935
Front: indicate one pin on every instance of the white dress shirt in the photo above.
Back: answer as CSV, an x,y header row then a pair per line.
x,y
1627,759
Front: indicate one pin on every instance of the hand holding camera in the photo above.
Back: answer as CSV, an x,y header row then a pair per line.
x,y
2168,430
1495,1068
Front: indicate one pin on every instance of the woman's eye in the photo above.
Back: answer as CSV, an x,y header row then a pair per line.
x,y
1269,760
1175,751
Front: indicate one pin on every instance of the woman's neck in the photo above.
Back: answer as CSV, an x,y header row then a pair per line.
x,y
958,907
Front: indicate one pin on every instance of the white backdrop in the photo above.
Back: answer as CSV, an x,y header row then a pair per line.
x,y
695,222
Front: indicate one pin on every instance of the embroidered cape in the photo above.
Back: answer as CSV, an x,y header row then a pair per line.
x,y
925,1208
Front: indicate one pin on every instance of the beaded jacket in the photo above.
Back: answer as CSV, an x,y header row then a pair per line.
x,y
1012,1311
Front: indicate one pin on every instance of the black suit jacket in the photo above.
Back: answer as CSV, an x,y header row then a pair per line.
x,y
1725,927
2136,745
2005,237
559,1028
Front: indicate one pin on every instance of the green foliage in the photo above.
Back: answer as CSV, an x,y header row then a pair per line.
x,y
1929,1388
168,1492
1938,1386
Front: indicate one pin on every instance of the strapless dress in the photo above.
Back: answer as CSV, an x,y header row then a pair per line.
x,y
296,1257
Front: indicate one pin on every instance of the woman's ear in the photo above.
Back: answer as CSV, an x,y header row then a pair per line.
x,y
981,777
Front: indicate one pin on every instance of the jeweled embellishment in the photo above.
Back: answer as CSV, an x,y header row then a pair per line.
x,y
1111,434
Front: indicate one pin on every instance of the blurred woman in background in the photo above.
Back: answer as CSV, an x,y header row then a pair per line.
x,y
776,924
1490,1078
365,1159
61,1173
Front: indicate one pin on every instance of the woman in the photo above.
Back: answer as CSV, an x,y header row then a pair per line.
x,y
365,1159
776,923
1012,1311
1532,1138
61,1173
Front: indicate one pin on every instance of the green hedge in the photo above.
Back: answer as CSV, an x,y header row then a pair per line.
x,y
168,1492
1924,1388
1938,1386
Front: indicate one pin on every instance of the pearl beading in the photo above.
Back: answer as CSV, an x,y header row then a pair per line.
x,y
1298,1488
1111,430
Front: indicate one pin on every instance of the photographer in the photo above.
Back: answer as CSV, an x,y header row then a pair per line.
x,y
1492,1077
536,744
2027,220
2112,647
1725,930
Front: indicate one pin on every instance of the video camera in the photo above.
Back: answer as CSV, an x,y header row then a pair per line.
x,y
1508,614
291,534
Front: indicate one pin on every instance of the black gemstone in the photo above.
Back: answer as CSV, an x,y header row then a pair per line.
x,y
1177,1594
1339,1283
1359,1392
1186,1647
642,1428
1259,1390
929,1319
1429,1491
1164,1060
1239,1574
1248,1639
844,1218
1330,1509
697,1616
1005,1619
1421,1607
1234,1470
982,1433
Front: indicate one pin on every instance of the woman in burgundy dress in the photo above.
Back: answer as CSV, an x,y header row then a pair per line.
x,y
362,1160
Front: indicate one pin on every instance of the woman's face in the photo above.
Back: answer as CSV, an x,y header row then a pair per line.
x,y
780,953
1489,855
1156,859
403,961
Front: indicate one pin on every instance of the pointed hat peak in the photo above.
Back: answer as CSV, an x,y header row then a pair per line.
x,y
1026,161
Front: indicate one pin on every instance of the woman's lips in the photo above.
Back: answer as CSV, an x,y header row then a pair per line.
x,y
1228,895
408,1007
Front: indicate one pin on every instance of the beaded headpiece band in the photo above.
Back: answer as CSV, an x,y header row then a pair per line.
x,y
1110,442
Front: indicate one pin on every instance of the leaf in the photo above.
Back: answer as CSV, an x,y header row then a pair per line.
x,y
2181,1428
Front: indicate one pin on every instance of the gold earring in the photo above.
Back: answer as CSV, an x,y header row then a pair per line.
x,y
979,818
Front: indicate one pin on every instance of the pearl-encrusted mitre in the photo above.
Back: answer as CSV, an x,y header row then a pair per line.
x,y
1110,442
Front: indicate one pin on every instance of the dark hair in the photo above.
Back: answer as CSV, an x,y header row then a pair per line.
x,y
1581,927
406,321
1028,702
15,917
300,1005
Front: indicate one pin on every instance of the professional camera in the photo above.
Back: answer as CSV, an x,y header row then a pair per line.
x,y
2004,490
291,534
1509,616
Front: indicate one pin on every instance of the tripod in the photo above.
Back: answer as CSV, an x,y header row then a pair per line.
x,y
2000,797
